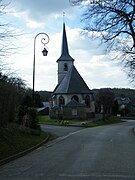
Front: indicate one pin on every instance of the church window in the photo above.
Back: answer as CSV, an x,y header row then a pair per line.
x,y
65,67
87,100
61,101
75,98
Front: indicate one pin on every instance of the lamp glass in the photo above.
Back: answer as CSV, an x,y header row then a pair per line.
x,y
45,52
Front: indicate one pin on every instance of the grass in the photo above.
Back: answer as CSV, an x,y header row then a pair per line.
x,y
108,120
46,120
13,141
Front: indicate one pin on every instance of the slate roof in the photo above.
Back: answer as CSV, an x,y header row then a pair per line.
x,y
72,83
74,103
65,56
123,101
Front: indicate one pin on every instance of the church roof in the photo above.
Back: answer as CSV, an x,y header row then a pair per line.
x,y
72,83
74,103
64,50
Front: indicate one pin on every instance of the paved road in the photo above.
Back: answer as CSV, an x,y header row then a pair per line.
x,y
59,131
100,153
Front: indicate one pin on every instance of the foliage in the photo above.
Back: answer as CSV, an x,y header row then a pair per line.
x,y
33,114
104,101
44,95
27,114
115,108
11,90
38,101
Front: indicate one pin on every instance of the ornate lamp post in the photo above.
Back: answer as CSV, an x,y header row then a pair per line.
x,y
44,41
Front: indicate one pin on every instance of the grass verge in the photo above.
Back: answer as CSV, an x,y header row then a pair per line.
x,y
46,120
13,141
107,120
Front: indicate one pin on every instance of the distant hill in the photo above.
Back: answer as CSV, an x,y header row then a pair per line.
x,y
44,95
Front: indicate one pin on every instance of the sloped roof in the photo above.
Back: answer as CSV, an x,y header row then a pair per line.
x,y
72,83
74,103
122,101
64,50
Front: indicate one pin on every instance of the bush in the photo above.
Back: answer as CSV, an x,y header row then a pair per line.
x,y
33,114
28,117
112,119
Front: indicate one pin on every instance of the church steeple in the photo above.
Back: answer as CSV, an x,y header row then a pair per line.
x,y
64,49
65,61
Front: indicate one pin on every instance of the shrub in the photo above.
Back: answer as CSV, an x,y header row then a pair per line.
x,y
112,119
33,114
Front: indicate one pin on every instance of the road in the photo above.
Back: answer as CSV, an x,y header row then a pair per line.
x,y
59,131
100,153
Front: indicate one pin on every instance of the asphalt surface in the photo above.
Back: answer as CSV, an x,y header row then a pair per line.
x,y
58,131
100,153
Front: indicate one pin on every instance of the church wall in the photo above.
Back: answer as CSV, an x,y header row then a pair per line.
x,y
68,98
77,113
92,105
67,113
70,112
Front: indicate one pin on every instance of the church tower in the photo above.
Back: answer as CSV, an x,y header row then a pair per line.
x,y
65,61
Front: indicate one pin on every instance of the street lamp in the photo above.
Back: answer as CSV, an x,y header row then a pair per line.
x,y
44,41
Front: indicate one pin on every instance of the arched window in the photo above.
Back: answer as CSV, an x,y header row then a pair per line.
x,y
61,101
75,98
87,100
65,67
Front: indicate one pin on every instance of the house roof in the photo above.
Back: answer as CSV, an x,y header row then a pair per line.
x,y
65,56
123,101
72,83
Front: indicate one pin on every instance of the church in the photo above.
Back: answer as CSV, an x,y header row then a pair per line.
x,y
71,98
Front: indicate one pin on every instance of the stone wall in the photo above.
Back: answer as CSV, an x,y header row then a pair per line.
x,y
69,113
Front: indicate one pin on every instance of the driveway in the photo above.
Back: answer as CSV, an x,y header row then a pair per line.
x,y
99,153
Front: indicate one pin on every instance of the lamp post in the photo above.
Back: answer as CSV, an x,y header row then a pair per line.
x,y
44,41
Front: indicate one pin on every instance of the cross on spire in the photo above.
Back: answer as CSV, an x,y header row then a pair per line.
x,y
64,16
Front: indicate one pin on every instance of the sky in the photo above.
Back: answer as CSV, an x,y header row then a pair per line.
x,y
32,17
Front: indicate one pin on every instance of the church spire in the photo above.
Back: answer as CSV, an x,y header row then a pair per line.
x,y
64,50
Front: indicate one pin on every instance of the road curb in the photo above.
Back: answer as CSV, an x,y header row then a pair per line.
x,y
66,125
20,154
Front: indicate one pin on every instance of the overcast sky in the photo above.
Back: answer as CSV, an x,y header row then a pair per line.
x,y
32,17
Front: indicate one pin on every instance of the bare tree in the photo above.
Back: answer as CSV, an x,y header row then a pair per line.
x,y
114,22
12,87
7,34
